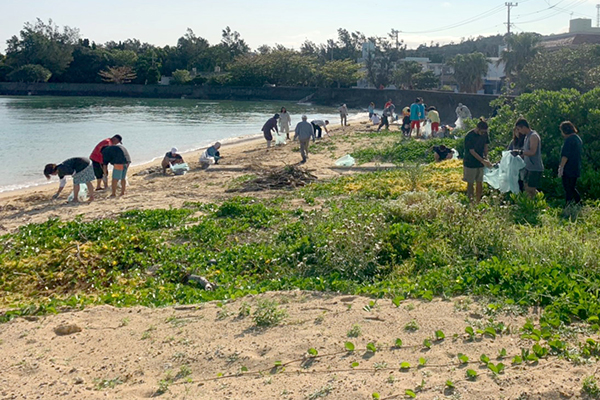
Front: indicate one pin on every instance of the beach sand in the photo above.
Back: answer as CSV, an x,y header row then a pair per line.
x,y
150,191
208,351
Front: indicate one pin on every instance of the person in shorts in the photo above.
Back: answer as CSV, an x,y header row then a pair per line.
x,y
532,154
100,170
82,171
476,151
118,156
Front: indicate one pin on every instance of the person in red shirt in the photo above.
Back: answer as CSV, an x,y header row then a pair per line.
x,y
100,168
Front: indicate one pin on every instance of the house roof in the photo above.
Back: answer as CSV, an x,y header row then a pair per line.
x,y
570,40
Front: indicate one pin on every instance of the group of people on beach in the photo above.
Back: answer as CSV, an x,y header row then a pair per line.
x,y
527,144
412,119
111,151
303,132
85,170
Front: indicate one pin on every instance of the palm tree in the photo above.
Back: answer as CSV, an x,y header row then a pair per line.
x,y
469,70
521,49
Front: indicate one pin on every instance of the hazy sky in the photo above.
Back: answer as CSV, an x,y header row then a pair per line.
x,y
290,23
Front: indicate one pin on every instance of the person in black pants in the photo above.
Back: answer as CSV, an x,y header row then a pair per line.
x,y
570,163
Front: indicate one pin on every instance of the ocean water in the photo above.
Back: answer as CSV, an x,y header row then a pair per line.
x,y
35,131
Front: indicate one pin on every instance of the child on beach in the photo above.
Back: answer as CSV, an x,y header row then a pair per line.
x,y
82,171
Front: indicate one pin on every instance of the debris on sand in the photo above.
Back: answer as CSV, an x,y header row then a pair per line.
x,y
288,177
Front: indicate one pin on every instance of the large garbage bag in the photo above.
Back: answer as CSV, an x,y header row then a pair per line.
x,y
279,139
505,177
346,161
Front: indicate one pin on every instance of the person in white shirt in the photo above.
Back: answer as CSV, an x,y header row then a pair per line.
x,y
375,120
285,120
343,115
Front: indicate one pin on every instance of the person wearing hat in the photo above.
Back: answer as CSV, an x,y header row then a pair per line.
x,y
82,171
171,158
100,169
267,129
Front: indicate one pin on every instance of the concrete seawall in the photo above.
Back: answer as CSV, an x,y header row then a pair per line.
x,y
445,102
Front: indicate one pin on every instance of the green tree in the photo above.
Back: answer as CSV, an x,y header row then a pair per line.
x,y
31,73
181,76
381,62
123,58
403,76
521,49
118,75
42,44
341,72
426,80
563,68
469,70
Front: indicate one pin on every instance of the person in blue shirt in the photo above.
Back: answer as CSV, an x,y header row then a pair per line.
x,y
417,114
371,109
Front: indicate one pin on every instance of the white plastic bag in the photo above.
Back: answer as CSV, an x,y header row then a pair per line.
x,y
426,131
180,169
454,154
506,177
83,194
459,124
279,139
346,161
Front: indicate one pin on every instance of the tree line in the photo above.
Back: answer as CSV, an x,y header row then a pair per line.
x,y
43,52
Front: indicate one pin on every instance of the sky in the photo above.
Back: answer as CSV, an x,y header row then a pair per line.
x,y
290,23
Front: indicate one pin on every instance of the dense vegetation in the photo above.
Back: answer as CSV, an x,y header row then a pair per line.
x,y
42,52
402,233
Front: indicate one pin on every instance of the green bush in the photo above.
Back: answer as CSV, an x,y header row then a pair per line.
x,y
30,73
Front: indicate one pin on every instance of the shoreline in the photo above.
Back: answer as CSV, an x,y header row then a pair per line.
x,y
134,169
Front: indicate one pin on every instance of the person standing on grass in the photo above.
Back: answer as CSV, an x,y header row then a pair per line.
x,y
385,119
82,171
343,115
304,132
100,170
417,114
434,117
118,156
318,126
267,129
285,121
570,162
532,154
476,151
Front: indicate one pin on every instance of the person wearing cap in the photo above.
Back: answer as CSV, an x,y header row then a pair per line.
x,y
319,125
100,169
82,171
171,158
268,127
304,132
118,156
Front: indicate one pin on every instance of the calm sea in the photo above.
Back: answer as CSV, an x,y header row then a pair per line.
x,y
40,130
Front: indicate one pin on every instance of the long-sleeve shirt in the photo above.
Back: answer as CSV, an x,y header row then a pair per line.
x,y
343,110
285,119
304,131
270,125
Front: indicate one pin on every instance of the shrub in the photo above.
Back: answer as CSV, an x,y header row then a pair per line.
x,y
267,313
30,73
181,76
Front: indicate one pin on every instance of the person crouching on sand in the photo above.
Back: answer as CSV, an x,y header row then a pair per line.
x,y
267,129
171,158
82,171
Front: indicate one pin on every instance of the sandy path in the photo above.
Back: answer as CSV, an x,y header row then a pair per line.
x,y
125,353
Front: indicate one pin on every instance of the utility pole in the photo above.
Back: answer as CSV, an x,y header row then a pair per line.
x,y
509,5
598,16
395,33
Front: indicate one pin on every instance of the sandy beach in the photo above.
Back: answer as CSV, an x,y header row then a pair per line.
x,y
242,156
211,350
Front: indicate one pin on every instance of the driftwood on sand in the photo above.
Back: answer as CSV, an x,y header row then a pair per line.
x,y
288,177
